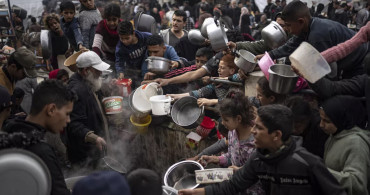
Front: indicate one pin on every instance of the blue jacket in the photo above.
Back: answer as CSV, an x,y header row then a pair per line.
x,y
72,31
131,56
323,35
170,54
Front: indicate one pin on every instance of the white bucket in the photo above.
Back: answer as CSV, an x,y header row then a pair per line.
x,y
160,104
309,62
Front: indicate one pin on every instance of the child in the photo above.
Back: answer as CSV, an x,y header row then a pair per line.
x,y
264,94
238,117
106,37
89,18
70,25
144,181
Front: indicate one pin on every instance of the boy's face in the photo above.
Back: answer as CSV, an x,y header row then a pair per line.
x,y
112,22
295,27
127,39
326,124
54,25
89,4
156,50
58,117
262,138
262,98
224,70
200,61
68,15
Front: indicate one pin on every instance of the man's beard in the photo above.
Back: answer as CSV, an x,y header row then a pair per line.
x,y
92,82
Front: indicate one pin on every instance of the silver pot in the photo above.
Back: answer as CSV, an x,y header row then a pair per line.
x,y
195,37
158,65
185,112
282,79
181,175
274,35
203,29
217,37
245,60
45,44
145,23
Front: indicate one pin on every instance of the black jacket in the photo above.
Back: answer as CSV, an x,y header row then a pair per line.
x,y
292,170
85,117
29,136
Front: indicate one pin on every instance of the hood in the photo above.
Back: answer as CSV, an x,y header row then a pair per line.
x,y
365,135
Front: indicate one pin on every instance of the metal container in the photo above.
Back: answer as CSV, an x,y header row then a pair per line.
x,y
217,37
169,191
282,79
145,23
181,175
185,112
158,65
195,37
274,35
245,60
45,44
203,29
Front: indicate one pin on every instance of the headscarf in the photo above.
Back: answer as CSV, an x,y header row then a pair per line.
x,y
244,11
345,112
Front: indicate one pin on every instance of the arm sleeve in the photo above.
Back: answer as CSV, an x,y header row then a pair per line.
x,y
204,92
120,60
255,47
77,33
173,55
98,39
286,49
85,29
215,148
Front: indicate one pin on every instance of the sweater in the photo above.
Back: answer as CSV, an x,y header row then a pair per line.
x,y
89,20
105,41
347,158
344,49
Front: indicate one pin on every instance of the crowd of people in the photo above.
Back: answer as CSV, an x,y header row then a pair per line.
x,y
314,140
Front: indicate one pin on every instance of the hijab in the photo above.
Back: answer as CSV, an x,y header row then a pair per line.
x,y
244,11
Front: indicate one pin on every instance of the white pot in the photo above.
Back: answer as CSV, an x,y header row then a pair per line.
x,y
160,104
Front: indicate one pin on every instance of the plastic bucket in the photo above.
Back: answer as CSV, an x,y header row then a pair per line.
x,y
141,124
161,104
309,62
264,63
113,104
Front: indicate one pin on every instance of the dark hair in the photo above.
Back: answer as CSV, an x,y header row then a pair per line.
x,y
112,9
204,7
277,15
12,60
277,117
62,73
336,3
236,103
125,28
144,181
204,51
234,36
180,13
155,40
17,93
33,20
50,17
300,107
320,7
48,92
263,83
67,5
295,10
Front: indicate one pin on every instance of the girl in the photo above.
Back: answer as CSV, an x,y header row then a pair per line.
x,y
264,94
238,117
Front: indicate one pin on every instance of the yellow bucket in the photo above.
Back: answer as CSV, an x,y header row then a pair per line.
x,y
141,124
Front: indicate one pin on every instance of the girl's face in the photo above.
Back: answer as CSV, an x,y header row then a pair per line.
x,y
89,4
262,98
231,123
112,22
224,70
326,124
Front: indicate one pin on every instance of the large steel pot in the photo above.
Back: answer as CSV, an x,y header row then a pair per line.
x,y
195,37
145,23
217,37
109,163
274,35
185,112
181,175
203,29
45,44
158,65
282,79
245,60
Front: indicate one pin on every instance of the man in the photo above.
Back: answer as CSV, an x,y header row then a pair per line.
x,y
270,9
51,107
173,35
362,16
341,14
298,21
282,166
21,64
203,14
88,123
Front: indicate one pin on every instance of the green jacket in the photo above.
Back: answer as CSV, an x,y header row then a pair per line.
x,y
348,159
255,47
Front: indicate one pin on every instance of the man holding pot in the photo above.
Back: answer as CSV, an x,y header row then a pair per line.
x,y
88,123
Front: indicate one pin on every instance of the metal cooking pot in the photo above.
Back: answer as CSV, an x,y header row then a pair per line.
x,y
185,112
203,29
282,79
110,163
169,191
181,175
145,23
45,44
217,37
195,37
274,35
245,60
158,65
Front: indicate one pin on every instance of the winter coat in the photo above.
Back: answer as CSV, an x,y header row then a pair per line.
x,y
72,31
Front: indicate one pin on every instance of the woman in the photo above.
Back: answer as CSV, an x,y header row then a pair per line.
x,y
347,149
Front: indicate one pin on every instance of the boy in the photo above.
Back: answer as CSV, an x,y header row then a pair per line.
x,y
282,166
70,25
89,18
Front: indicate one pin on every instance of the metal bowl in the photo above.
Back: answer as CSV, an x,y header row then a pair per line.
x,y
185,112
45,44
245,61
158,65
145,23
203,29
274,35
282,79
195,37
217,37
181,175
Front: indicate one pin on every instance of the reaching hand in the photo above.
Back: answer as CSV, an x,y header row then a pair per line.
x,y
258,57
162,82
100,142
121,75
149,76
